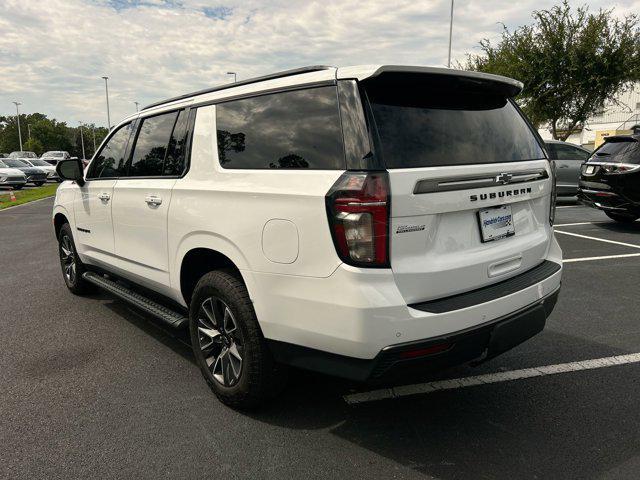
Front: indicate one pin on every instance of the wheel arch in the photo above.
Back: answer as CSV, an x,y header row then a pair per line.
x,y
198,261
59,219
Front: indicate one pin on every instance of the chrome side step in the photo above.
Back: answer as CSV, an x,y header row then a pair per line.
x,y
170,317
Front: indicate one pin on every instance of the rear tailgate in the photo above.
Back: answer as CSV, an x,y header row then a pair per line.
x,y
470,184
437,247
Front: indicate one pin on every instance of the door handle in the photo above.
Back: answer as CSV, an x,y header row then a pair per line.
x,y
104,197
563,166
153,200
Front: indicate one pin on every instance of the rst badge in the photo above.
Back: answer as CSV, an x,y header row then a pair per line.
x,y
409,228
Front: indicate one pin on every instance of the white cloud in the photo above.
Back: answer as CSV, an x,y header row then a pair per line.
x,y
53,53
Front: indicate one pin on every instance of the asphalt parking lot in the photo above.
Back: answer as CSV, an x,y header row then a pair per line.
x,y
93,389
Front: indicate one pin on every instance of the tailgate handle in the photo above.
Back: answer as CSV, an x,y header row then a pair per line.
x,y
504,266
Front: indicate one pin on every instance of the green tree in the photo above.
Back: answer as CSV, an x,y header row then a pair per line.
x,y
571,63
9,134
47,134
33,145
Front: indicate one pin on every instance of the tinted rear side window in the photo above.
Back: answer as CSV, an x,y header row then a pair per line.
x,y
425,127
625,151
151,145
110,161
175,159
292,130
567,152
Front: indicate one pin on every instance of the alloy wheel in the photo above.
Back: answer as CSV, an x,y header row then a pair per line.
x,y
220,341
68,260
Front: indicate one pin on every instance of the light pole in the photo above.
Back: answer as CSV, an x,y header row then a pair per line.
x,y
136,106
29,130
235,77
450,33
17,104
82,141
93,129
106,91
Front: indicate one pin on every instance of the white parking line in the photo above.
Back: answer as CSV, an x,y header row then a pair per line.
x,y
632,245
422,388
604,257
577,223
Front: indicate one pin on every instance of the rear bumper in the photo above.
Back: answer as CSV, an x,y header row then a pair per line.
x,y
606,200
358,313
405,360
12,183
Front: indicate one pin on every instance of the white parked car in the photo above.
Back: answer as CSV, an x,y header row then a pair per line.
x,y
11,177
360,221
44,165
23,155
54,156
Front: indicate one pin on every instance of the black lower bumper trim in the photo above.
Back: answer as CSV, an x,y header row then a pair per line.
x,y
491,292
483,341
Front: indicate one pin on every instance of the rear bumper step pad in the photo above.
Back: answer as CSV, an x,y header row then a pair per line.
x,y
491,292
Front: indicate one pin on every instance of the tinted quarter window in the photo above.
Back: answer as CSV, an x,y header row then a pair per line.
x,y
297,129
110,161
421,125
151,145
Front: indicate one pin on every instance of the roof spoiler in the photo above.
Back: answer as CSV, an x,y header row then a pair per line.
x,y
622,138
504,85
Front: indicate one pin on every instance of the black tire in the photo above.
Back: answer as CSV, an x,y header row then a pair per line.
x,y
72,266
18,187
38,184
260,378
622,217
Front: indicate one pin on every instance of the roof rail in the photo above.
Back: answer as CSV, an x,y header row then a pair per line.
x,y
286,73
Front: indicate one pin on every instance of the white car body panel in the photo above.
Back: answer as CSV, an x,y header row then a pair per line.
x,y
10,171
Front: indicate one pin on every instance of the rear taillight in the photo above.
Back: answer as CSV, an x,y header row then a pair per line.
x,y
552,206
358,207
620,168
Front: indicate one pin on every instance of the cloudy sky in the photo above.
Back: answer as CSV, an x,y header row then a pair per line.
x,y
53,52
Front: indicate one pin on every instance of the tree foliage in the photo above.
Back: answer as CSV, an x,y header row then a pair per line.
x,y
47,134
571,63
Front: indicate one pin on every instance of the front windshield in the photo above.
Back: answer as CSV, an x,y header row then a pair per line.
x,y
54,154
2,164
12,162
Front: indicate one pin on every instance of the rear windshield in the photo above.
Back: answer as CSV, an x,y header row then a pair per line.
x,y
625,151
426,127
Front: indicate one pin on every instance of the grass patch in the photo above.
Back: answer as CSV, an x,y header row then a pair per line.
x,y
25,196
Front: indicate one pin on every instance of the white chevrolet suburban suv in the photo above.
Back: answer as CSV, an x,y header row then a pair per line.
x,y
361,221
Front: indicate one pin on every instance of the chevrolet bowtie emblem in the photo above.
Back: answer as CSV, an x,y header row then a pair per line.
x,y
504,178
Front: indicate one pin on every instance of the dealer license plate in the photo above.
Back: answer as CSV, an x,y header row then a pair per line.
x,y
496,223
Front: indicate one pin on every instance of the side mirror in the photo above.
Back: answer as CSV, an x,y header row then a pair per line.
x,y
71,170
